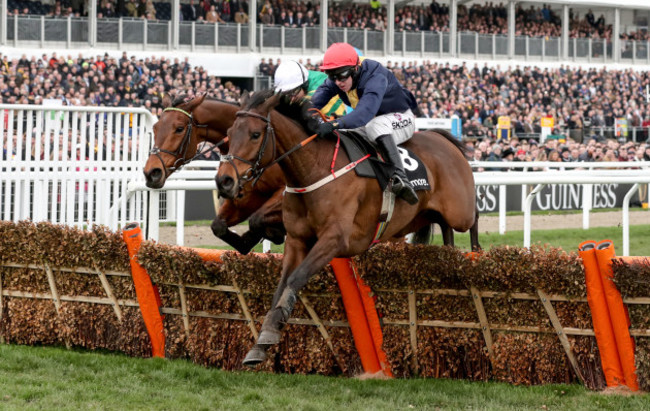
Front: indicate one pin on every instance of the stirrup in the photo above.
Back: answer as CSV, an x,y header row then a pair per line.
x,y
403,189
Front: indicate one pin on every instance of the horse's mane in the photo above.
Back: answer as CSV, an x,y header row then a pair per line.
x,y
300,114
446,134
258,98
297,113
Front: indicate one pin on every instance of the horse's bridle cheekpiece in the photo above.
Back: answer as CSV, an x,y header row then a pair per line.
x,y
254,172
181,151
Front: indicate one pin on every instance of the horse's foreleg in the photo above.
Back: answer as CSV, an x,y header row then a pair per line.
x,y
268,221
326,248
294,253
423,235
243,244
230,214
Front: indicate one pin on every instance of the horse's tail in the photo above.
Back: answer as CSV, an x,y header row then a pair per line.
x,y
453,140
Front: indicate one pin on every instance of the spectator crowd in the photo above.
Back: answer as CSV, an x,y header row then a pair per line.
x,y
580,101
482,17
105,80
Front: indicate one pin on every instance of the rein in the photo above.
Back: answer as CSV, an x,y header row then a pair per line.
x,y
255,171
181,151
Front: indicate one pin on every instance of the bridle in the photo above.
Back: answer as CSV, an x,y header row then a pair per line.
x,y
181,151
254,172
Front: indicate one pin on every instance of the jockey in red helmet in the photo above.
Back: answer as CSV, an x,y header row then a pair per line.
x,y
382,107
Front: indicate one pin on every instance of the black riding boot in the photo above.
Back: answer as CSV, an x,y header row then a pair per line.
x,y
401,185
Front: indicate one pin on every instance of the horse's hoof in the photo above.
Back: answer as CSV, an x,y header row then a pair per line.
x,y
219,227
255,356
269,337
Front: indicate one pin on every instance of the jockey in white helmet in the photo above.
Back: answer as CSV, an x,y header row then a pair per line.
x,y
292,79
295,82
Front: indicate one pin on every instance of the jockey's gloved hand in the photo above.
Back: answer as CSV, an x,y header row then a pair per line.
x,y
327,128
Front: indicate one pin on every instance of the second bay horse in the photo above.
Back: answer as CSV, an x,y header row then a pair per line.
x,y
184,123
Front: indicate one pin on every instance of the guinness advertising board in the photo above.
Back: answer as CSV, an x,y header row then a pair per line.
x,y
552,197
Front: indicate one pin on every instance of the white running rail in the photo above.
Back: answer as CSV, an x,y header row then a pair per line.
x,y
71,165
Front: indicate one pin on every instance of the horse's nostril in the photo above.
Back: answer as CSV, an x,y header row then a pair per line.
x,y
155,174
226,182
154,178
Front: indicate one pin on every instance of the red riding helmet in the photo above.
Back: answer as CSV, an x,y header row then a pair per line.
x,y
339,55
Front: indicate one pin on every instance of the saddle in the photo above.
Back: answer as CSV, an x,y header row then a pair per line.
x,y
356,146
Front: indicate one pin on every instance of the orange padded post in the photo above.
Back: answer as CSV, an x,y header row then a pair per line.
x,y
373,320
600,316
356,315
618,313
145,290
207,254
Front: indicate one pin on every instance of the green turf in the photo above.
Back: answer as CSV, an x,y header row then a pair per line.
x,y
55,378
568,239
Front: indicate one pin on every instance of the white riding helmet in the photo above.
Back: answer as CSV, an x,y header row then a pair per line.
x,y
289,76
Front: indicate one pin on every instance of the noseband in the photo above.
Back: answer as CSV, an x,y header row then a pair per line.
x,y
181,151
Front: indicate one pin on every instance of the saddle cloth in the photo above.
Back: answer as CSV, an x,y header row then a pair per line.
x,y
356,147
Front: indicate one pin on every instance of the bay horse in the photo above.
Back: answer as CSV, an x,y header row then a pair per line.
x,y
183,124
337,219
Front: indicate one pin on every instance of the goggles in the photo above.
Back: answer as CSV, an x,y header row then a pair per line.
x,y
340,75
294,92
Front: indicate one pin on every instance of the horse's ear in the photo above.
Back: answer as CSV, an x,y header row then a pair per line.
x,y
194,102
245,96
166,100
271,102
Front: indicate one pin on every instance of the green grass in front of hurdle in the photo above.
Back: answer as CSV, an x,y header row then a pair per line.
x,y
56,378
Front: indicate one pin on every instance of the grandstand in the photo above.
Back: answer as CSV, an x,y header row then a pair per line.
x,y
579,31
466,58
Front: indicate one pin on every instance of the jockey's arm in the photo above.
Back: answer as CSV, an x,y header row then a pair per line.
x,y
368,104
324,94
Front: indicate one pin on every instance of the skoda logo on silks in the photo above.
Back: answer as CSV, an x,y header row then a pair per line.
x,y
401,122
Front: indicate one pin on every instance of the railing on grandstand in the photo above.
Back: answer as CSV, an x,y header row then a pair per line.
x,y
149,35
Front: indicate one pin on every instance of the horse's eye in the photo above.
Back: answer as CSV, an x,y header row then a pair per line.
x,y
180,129
256,135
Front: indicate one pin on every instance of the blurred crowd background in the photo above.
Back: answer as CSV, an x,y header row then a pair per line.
x,y
584,103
